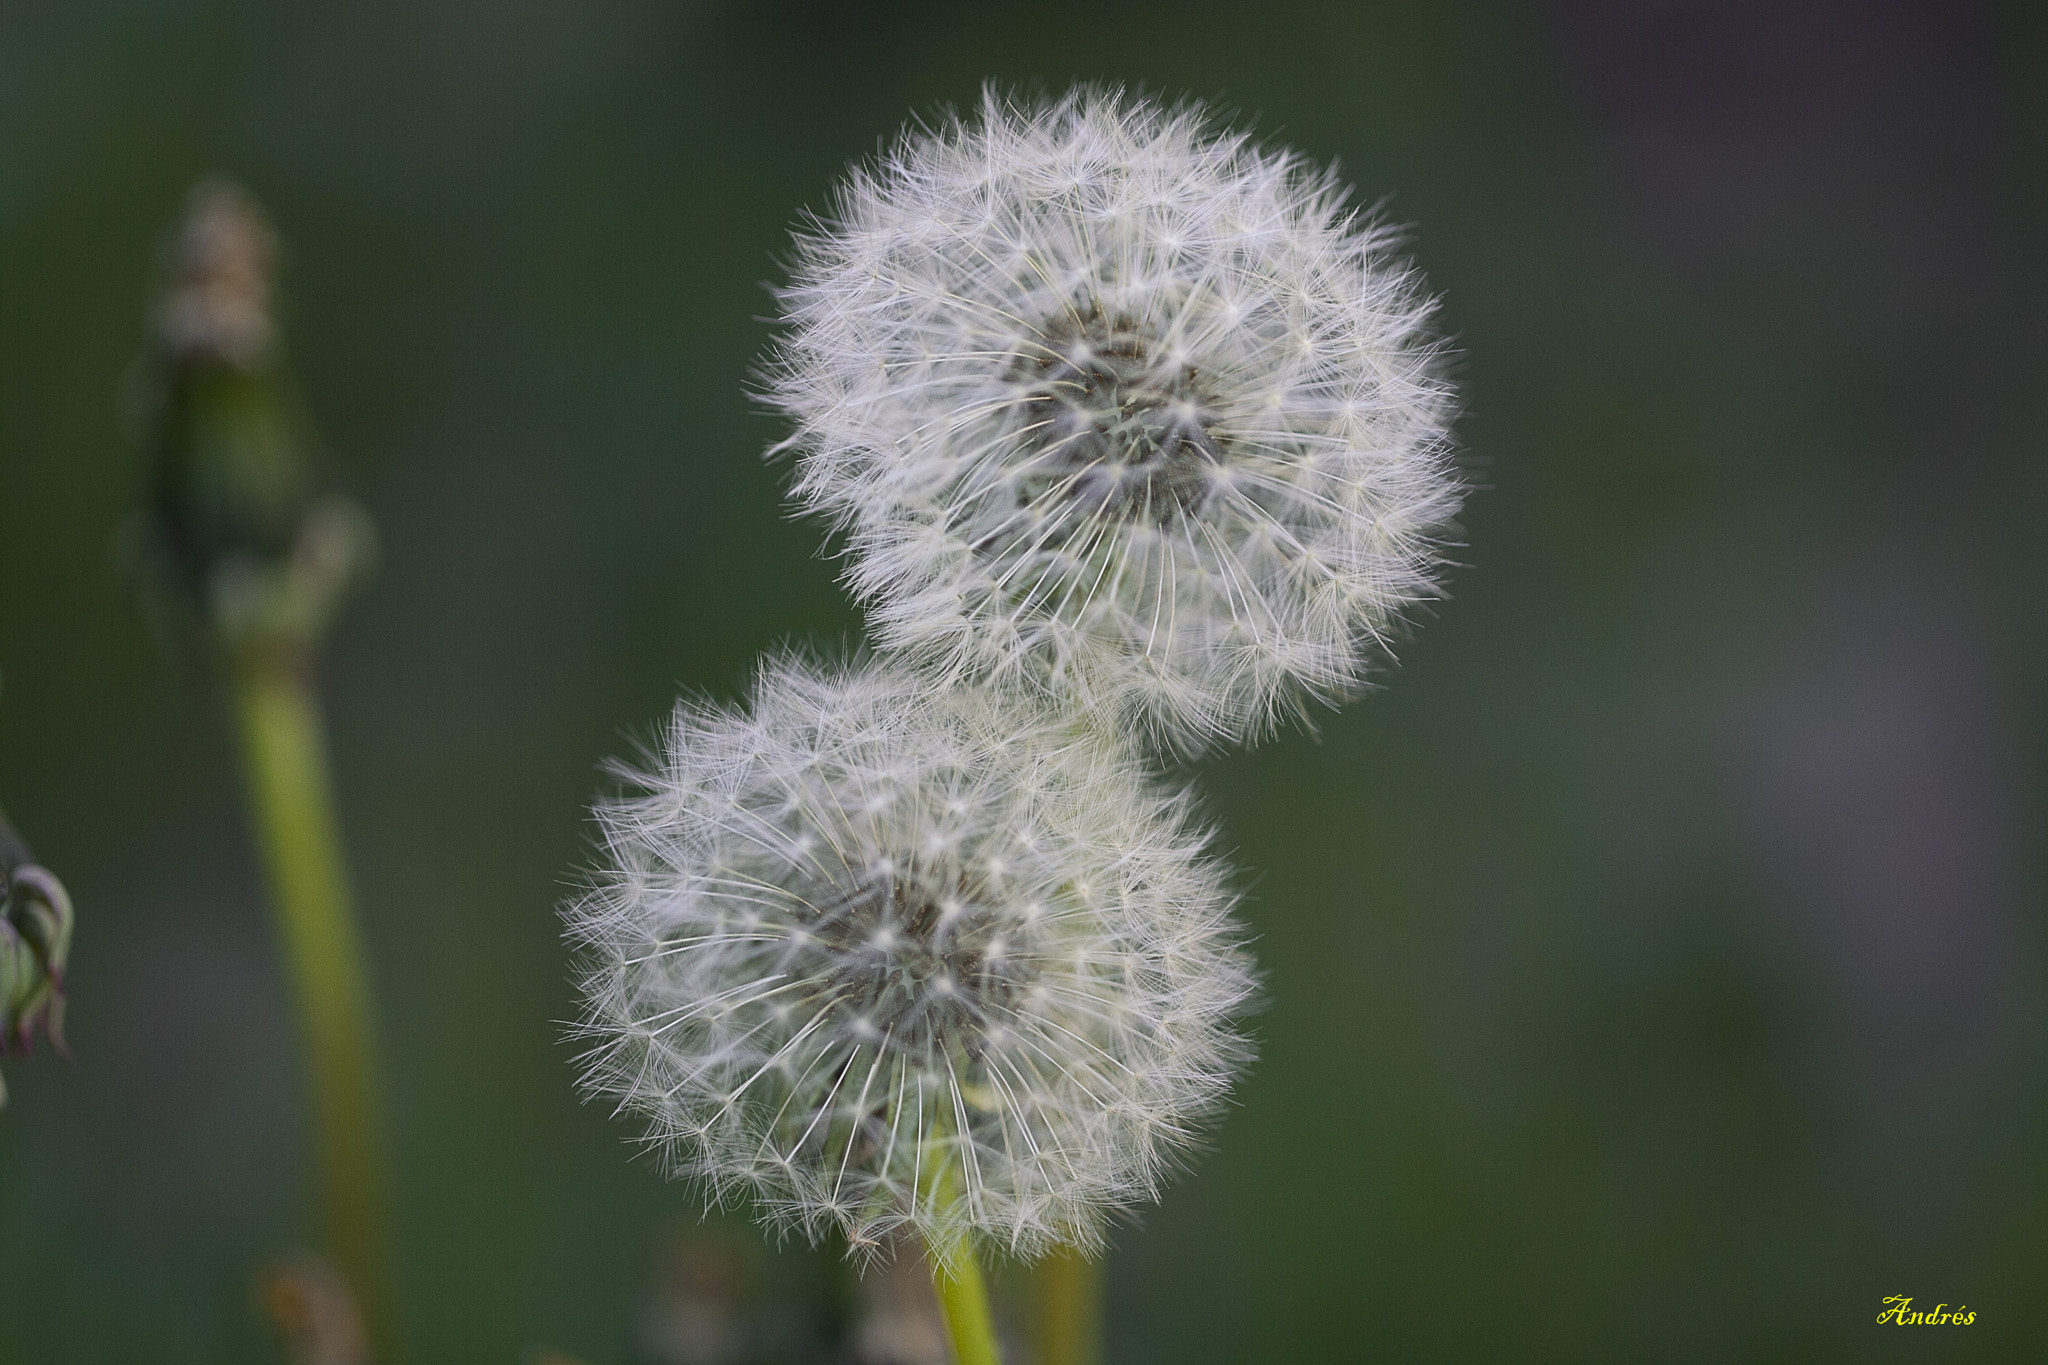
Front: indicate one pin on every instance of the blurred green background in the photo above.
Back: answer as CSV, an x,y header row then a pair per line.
x,y
1655,964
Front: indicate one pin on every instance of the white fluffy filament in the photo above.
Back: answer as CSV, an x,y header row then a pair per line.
x,y
1121,406
890,958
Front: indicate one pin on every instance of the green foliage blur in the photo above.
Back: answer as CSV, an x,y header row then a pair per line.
x,y
1654,966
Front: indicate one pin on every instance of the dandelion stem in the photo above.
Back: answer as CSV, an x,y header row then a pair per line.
x,y
963,1295
285,754
963,1298
1069,1309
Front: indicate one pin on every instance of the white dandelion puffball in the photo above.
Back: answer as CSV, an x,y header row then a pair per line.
x,y
1127,407
896,959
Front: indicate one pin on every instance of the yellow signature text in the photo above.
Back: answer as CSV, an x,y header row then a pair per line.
x,y
1900,1312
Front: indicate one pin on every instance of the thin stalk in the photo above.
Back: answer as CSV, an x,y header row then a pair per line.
x,y
963,1295
1069,1309
290,794
963,1299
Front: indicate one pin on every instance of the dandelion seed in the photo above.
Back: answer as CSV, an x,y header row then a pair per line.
x,y
1115,403
927,1026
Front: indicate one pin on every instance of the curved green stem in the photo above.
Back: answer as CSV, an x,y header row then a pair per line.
x,y
285,754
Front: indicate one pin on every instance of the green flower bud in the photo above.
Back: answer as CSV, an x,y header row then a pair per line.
x,y
242,526
35,941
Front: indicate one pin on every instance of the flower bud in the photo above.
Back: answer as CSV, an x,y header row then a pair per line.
x,y
242,527
35,941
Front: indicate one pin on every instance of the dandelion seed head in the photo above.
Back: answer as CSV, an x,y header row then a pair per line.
x,y
1113,402
890,958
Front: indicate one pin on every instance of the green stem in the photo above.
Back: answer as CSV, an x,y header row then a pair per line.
x,y
1069,1304
963,1298
293,808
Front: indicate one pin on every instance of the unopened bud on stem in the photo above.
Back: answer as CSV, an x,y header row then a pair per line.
x,y
35,941
242,527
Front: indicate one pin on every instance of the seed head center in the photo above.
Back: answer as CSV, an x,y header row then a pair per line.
x,y
1117,425
922,958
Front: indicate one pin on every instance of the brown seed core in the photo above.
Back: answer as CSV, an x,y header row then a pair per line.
x,y
1117,428
926,961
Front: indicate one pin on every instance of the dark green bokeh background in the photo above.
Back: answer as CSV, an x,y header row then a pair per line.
x,y
1655,964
